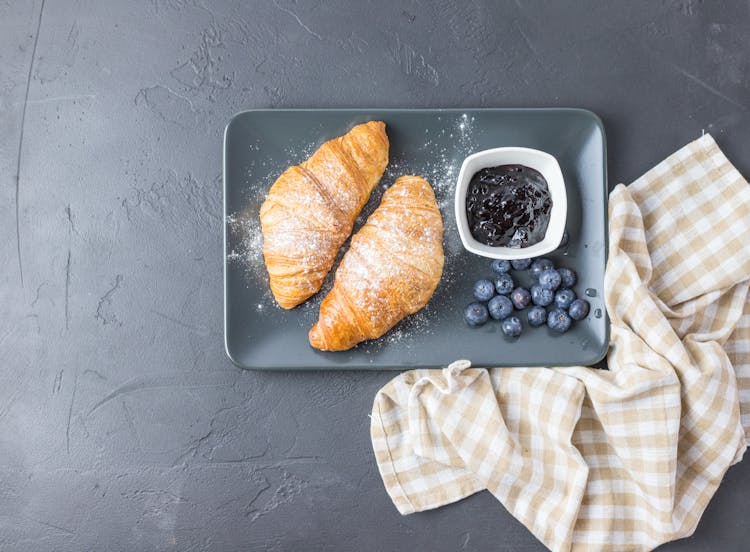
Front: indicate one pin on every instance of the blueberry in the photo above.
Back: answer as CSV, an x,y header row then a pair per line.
x,y
567,277
484,290
521,298
537,316
558,320
542,296
475,314
565,239
564,297
520,264
550,279
539,266
512,326
500,307
578,309
500,266
504,284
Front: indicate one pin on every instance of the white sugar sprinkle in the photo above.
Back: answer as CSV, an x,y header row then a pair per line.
x,y
445,149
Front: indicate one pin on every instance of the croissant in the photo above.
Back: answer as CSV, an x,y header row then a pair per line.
x,y
391,269
310,210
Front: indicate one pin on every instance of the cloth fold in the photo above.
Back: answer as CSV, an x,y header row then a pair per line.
x,y
618,459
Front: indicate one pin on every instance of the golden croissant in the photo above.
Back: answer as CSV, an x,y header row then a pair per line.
x,y
310,210
391,269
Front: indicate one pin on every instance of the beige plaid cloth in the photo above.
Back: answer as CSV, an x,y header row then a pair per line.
x,y
624,459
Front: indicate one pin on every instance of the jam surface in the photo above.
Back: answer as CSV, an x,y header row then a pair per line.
x,y
508,205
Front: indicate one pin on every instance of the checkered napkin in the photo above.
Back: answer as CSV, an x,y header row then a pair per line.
x,y
623,459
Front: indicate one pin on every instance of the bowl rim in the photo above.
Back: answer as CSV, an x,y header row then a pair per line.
x,y
555,181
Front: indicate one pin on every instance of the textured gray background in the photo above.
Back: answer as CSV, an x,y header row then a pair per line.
x,y
122,424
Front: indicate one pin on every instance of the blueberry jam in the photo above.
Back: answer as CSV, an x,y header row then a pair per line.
x,y
508,205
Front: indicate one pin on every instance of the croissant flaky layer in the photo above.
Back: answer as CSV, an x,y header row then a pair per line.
x,y
310,210
390,271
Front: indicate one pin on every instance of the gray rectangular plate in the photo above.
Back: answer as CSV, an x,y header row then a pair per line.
x,y
259,145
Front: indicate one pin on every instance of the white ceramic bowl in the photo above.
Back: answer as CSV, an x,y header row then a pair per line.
x,y
539,160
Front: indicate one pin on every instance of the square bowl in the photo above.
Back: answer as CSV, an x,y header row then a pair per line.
x,y
541,161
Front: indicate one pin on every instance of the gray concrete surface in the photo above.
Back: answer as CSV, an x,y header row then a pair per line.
x,y
122,424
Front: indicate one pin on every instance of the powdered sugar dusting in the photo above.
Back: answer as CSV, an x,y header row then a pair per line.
x,y
443,151
245,236
396,252
298,155
247,239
